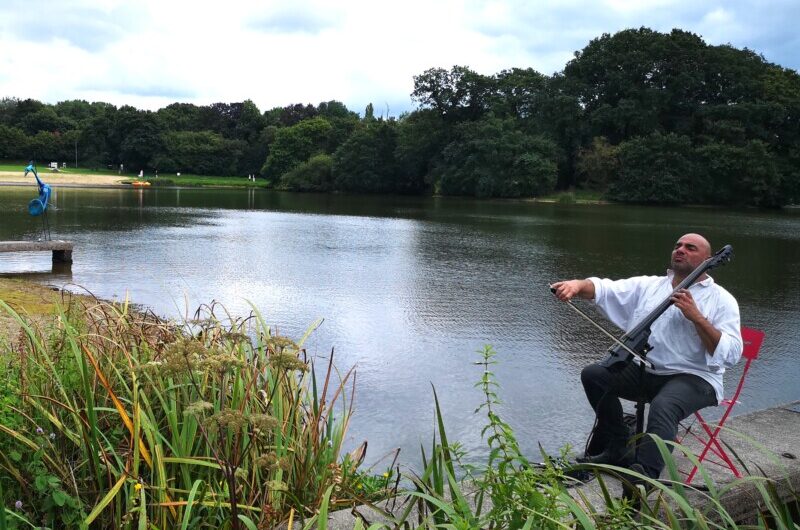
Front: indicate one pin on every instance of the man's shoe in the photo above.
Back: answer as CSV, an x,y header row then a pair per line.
x,y
631,483
614,455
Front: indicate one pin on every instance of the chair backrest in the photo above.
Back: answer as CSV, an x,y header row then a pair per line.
x,y
752,339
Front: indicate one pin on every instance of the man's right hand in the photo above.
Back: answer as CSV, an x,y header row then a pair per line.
x,y
567,290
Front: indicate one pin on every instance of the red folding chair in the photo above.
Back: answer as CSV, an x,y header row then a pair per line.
x,y
752,339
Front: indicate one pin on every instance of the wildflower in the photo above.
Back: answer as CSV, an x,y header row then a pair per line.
x,y
386,475
278,344
277,485
52,436
267,461
197,408
18,505
39,430
138,486
287,361
227,419
263,422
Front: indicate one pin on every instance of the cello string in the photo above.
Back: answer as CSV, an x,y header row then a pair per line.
x,y
609,335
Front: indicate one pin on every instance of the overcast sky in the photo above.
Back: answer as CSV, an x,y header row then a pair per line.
x,y
150,53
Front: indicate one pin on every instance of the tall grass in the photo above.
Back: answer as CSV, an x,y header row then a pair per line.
x,y
130,422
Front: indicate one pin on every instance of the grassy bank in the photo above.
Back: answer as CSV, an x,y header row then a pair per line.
x,y
36,301
187,180
201,180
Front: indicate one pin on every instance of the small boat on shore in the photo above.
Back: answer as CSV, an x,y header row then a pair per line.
x,y
140,183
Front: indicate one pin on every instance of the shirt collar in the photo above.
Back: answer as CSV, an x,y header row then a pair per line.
x,y
705,283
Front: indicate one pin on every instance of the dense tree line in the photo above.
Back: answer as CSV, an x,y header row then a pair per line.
x,y
640,116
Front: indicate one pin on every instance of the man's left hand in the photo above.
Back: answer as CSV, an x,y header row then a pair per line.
x,y
683,300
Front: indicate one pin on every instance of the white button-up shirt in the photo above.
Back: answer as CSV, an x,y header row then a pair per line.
x,y
677,347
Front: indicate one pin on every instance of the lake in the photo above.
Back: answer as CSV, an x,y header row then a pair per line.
x,y
409,288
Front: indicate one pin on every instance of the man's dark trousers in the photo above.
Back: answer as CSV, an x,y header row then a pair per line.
x,y
671,397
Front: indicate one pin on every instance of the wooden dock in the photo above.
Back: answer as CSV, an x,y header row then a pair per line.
x,y
62,250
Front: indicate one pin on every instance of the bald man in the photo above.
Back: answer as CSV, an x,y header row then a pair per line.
x,y
693,342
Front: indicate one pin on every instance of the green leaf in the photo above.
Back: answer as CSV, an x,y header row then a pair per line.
x,y
248,522
190,504
59,497
16,456
105,501
40,483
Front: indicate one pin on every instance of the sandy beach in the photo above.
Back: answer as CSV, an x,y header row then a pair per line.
x,y
62,178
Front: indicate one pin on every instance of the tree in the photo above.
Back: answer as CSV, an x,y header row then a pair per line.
x,y
47,120
202,152
294,145
457,95
369,113
312,175
493,158
13,143
139,137
247,130
746,175
656,169
180,117
517,93
598,164
366,163
420,139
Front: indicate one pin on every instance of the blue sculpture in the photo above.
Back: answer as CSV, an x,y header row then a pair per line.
x,y
38,206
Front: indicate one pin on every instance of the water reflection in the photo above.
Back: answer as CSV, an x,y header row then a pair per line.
x,y
410,288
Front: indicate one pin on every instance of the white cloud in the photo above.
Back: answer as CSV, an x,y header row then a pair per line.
x,y
277,53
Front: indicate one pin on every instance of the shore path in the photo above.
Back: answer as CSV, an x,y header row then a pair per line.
x,y
55,179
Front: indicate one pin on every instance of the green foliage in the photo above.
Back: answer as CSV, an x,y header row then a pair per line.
x,y
457,95
420,140
598,164
366,161
294,145
12,142
656,169
205,152
493,158
739,175
312,175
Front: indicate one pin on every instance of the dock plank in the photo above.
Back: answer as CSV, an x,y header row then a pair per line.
x,y
61,249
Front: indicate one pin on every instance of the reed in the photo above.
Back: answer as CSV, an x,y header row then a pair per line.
x,y
126,421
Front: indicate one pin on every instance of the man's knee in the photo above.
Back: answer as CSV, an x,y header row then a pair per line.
x,y
665,414
594,375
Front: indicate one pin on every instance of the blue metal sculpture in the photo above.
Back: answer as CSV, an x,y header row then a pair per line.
x,y
38,206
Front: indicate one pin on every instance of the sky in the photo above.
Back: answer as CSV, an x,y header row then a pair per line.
x,y
150,53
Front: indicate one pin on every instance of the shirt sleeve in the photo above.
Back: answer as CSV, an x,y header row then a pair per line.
x,y
618,299
727,321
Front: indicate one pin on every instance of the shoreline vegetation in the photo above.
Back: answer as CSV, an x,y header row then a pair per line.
x,y
112,418
676,122
83,178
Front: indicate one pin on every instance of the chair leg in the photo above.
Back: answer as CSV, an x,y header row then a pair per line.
x,y
712,440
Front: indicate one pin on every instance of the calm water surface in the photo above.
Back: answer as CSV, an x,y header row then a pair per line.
x,y
410,288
